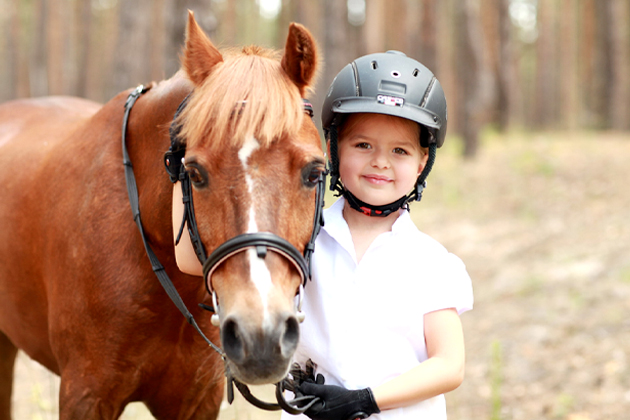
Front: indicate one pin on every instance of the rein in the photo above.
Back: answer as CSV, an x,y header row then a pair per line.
x,y
261,241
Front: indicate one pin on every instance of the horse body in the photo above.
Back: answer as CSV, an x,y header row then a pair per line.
x,y
77,291
83,299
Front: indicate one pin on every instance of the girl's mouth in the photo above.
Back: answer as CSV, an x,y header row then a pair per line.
x,y
377,179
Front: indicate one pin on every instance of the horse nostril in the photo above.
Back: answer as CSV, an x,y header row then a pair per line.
x,y
290,337
232,341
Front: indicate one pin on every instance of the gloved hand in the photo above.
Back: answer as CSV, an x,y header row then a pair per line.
x,y
338,403
297,377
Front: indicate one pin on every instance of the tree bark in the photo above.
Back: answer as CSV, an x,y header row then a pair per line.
x,y
19,60
475,78
567,52
174,18
335,38
507,94
83,39
374,28
620,52
545,101
56,51
428,34
133,50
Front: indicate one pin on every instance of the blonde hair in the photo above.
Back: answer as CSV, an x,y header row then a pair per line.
x,y
248,94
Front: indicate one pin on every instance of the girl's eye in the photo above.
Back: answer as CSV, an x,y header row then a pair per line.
x,y
363,145
400,151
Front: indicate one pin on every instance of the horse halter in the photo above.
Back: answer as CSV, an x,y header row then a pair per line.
x,y
260,241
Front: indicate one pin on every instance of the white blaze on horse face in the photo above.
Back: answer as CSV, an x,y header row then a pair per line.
x,y
259,273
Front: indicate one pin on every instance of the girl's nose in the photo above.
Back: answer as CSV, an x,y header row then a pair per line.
x,y
380,159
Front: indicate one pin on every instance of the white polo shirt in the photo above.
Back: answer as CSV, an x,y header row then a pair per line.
x,y
364,322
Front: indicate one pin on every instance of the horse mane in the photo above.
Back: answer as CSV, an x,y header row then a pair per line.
x,y
248,94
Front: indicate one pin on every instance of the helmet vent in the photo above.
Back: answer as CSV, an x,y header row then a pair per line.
x,y
374,65
395,74
415,72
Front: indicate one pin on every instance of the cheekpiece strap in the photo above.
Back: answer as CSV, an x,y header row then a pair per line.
x,y
173,157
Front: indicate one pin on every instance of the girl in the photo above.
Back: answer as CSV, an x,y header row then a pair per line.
x,y
382,324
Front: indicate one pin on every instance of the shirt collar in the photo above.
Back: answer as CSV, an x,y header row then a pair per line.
x,y
337,227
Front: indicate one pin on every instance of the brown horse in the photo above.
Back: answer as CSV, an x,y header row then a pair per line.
x,y
77,291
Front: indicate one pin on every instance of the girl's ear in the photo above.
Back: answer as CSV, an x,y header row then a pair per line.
x,y
423,160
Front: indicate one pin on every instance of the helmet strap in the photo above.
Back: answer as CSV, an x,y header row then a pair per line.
x,y
421,183
375,211
333,164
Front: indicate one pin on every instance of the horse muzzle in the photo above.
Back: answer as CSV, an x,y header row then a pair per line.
x,y
260,356
258,348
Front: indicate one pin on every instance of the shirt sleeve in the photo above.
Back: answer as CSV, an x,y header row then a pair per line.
x,y
450,286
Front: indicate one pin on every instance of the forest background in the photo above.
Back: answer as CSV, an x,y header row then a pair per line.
x,y
526,64
530,189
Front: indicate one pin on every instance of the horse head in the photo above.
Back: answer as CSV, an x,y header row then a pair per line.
x,y
253,157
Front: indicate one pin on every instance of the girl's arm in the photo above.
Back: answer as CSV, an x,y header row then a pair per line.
x,y
442,372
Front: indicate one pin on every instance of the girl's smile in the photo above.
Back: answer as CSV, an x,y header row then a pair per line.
x,y
377,179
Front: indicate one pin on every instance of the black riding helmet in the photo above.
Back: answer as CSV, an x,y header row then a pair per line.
x,y
386,83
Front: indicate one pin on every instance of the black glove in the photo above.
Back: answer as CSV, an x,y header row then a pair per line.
x,y
297,377
338,403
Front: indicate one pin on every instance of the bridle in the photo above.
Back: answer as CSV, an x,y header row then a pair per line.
x,y
262,242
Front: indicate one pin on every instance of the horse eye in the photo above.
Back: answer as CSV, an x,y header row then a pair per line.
x,y
196,176
310,176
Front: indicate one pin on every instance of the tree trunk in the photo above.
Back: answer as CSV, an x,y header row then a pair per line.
x,y
507,94
374,28
56,51
19,60
567,52
174,20
133,50
335,38
83,40
427,44
620,52
546,104
475,78
588,37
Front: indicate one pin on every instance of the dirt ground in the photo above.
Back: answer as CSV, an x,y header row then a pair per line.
x,y
542,224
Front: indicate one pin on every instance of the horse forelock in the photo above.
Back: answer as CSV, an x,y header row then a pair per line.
x,y
248,94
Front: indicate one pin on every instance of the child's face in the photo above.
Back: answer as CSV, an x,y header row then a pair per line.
x,y
380,157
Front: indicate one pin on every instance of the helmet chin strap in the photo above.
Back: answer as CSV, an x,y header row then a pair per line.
x,y
375,211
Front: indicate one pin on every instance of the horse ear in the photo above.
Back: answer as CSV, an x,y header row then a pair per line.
x,y
200,54
300,57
